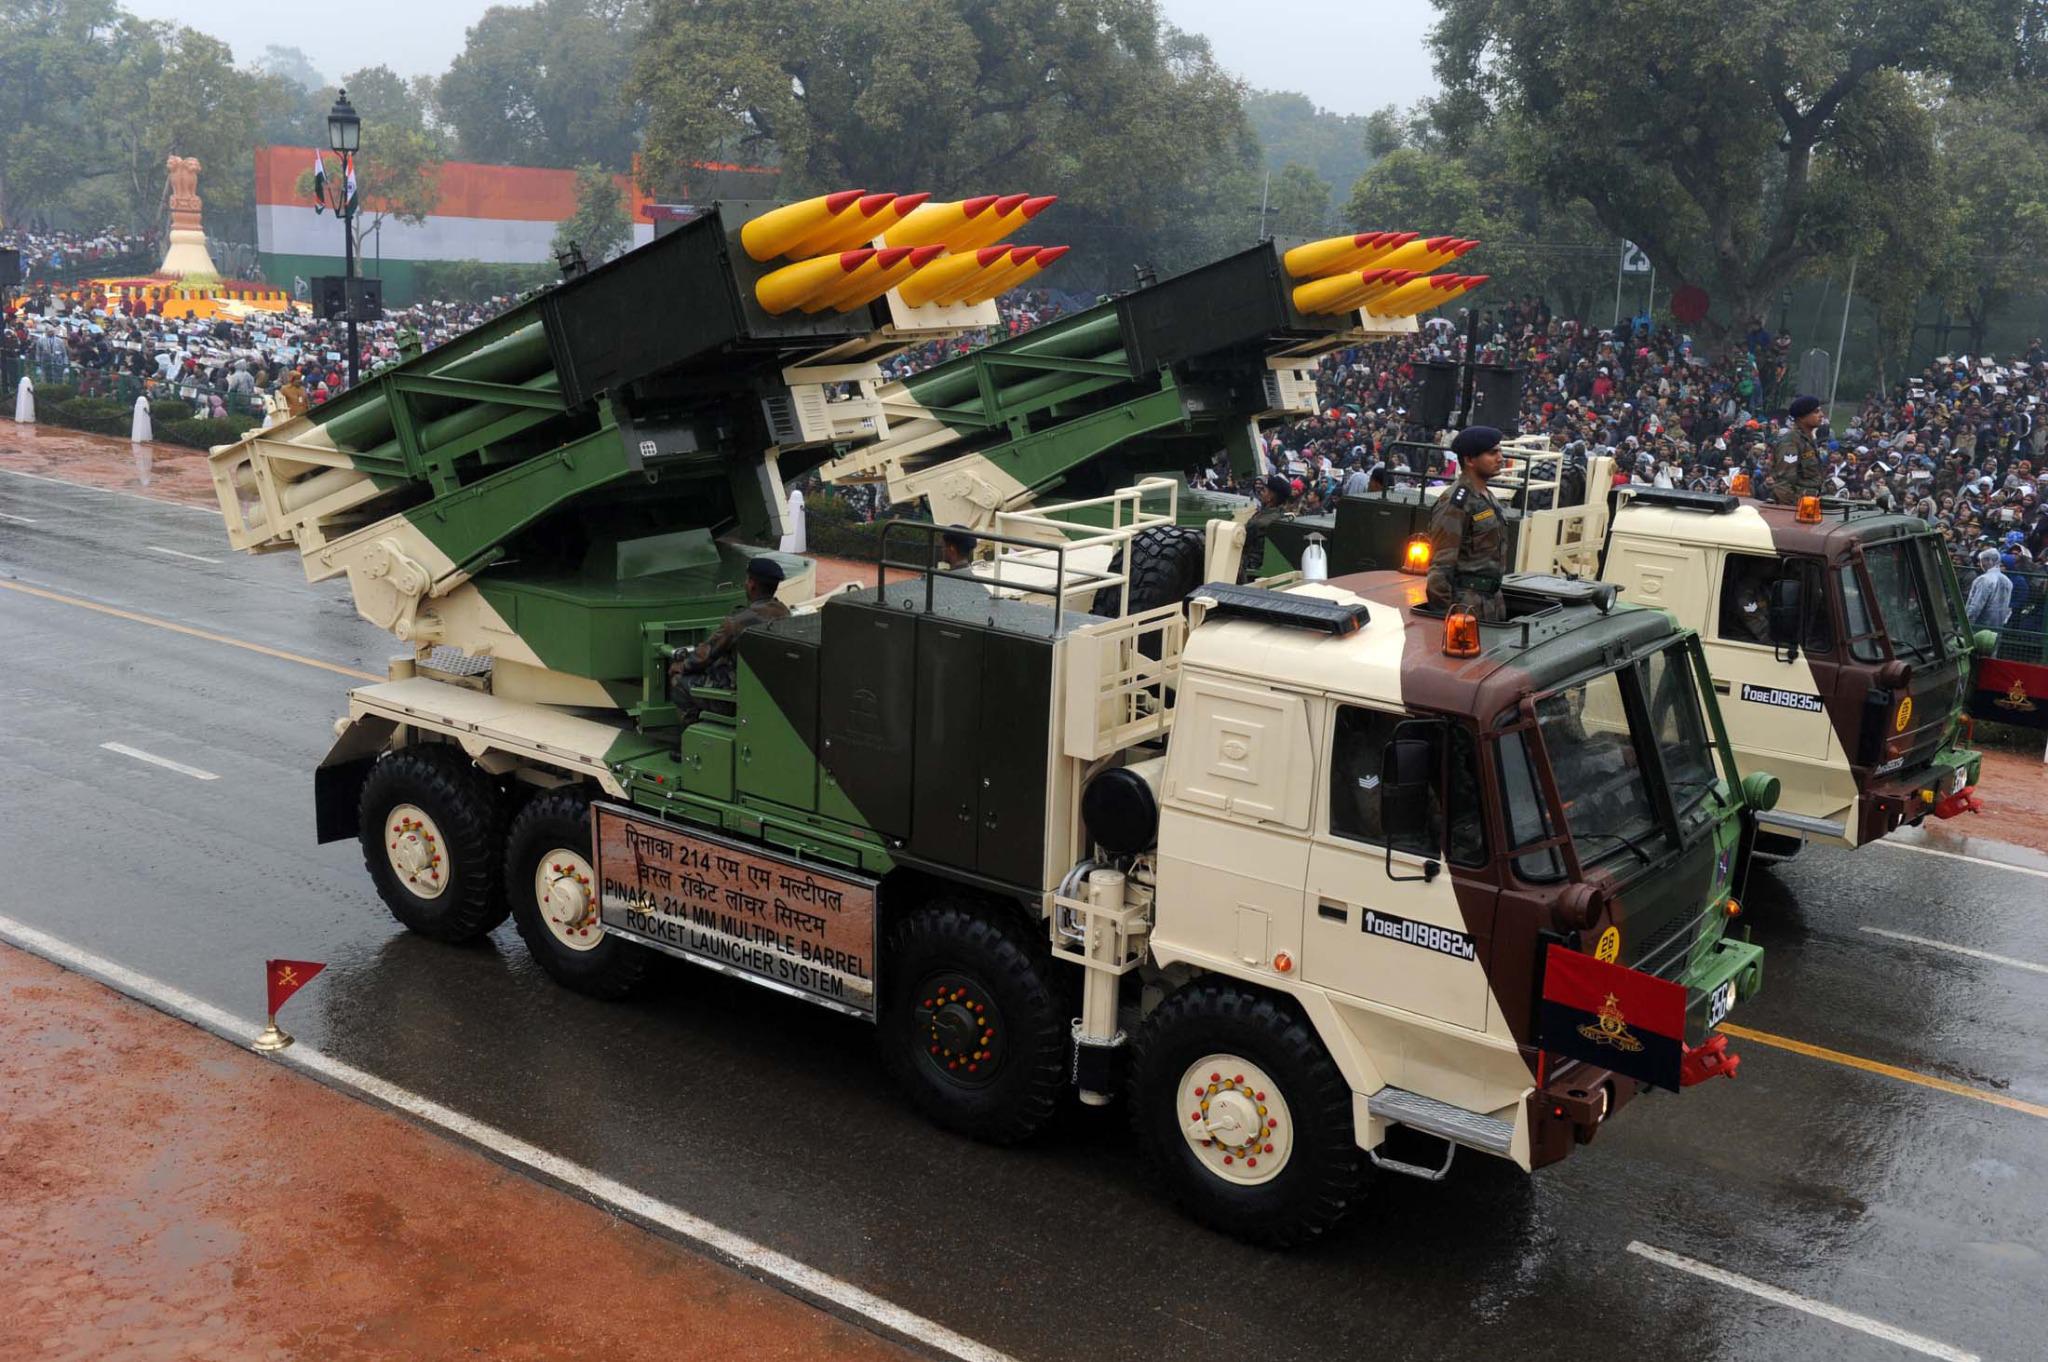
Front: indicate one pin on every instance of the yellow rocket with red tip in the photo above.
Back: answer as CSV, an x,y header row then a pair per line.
x,y
1419,296
987,284
779,230
951,273
859,223
905,261
792,286
833,295
1347,292
1343,254
937,224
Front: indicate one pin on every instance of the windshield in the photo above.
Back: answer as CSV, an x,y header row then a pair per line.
x,y
1677,726
1899,598
1598,768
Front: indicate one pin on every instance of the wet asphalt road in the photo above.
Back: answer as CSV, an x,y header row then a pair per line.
x,y
1918,1208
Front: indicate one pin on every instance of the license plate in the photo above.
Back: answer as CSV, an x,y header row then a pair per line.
x,y
1721,1004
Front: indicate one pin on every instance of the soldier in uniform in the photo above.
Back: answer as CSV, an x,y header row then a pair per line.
x,y
711,663
1272,496
1467,535
1797,469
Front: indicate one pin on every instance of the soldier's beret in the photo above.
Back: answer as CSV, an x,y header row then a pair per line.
x,y
1475,440
765,570
1803,405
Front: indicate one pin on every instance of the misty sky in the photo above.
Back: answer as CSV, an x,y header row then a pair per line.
x,y
1347,57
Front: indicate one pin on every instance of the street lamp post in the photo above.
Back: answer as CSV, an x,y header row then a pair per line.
x,y
345,135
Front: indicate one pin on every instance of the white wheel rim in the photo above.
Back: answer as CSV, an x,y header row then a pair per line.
x,y
565,888
1235,1120
417,851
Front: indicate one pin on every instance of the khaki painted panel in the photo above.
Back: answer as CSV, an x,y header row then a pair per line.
x,y
1397,942
1241,752
1229,890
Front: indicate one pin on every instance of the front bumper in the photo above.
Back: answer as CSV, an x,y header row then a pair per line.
x,y
1943,787
1573,1103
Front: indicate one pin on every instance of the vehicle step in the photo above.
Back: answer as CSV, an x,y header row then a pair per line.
x,y
1432,1117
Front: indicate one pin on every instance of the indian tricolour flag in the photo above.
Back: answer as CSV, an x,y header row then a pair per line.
x,y
319,182
348,182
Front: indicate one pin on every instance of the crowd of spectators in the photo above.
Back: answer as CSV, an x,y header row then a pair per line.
x,y
54,255
259,366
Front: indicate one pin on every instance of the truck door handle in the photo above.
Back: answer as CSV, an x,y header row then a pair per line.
x,y
1336,912
1720,688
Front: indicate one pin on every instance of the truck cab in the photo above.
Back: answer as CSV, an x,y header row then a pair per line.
x,y
1834,633
1395,835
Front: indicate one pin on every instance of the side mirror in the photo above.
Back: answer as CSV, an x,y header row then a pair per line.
x,y
1788,612
1405,771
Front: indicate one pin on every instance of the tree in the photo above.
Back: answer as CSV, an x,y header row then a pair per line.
x,y
382,97
51,52
1385,132
1130,120
1526,244
397,176
1291,128
1712,136
601,225
545,84
169,90
291,65
1298,202
1996,168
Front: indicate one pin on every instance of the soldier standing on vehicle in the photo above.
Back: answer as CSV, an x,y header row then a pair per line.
x,y
1467,533
1796,466
1272,496
711,663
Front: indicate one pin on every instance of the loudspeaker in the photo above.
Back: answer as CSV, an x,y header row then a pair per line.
x,y
1439,394
332,295
10,266
329,295
1497,396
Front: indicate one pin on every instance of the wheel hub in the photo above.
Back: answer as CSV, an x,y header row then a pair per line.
x,y
564,887
413,844
961,1030
1235,1119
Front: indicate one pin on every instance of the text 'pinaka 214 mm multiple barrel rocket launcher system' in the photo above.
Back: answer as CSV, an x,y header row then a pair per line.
x,y
1314,877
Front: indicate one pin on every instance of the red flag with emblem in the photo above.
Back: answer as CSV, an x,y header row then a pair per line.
x,y
286,977
1613,1017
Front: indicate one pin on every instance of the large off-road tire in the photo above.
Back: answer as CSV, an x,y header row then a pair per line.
x,y
1166,564
551,879
432,827
971,1027
1244,1116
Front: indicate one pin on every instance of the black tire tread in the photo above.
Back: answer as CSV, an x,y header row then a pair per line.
x,y
1167,566
1211,1015
612,969
958,930
470,814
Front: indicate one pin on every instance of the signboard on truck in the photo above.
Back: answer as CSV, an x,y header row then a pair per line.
x,y
792,925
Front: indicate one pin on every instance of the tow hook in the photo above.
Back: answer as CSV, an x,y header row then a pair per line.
x,y
1712,1060
1962,801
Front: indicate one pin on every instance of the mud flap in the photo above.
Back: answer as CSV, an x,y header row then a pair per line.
x,y
338,783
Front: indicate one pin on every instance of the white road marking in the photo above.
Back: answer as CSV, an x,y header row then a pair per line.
x,y
111,491
154,760
756,1259
179,553
17,519
1954,949
1820,1309
1959,856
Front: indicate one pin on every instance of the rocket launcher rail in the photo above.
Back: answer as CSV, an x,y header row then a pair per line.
x,y
540,490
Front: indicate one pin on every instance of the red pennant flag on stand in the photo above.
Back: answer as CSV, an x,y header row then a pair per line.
x,y
286,977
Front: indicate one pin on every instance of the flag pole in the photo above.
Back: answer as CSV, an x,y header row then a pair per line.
x,y
272,1040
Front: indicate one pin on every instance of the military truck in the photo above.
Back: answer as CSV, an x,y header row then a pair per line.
x,y
1297,871
1834,632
